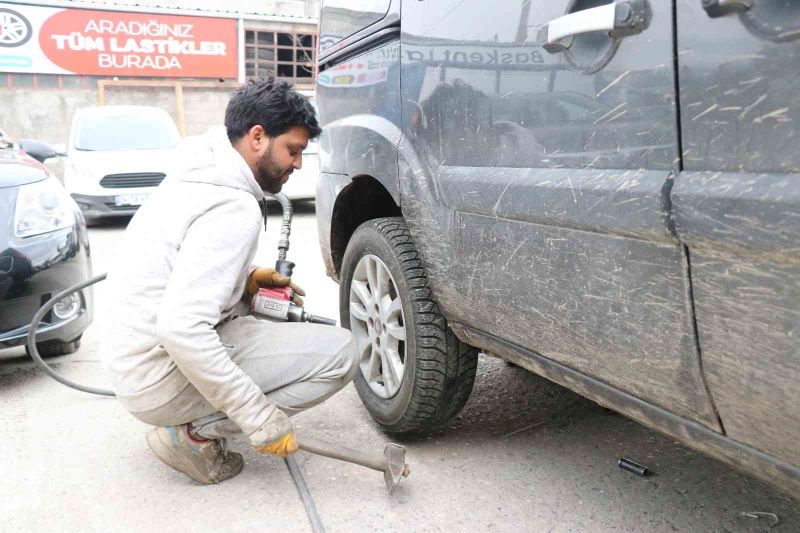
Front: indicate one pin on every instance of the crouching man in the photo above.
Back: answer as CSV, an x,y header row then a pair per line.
x,y
181,351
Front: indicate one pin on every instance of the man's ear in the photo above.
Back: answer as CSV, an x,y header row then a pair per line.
x,y
258,137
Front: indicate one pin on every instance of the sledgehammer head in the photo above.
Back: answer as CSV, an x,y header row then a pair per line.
x,y
396,467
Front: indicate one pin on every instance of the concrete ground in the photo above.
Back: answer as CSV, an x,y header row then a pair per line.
x,y
524,455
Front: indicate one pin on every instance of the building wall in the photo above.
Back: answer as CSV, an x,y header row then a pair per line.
x,y
41,113
46,114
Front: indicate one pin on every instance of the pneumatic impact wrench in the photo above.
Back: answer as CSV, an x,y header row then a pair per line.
x,y
276,304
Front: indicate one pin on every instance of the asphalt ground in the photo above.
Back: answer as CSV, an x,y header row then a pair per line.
x,y
524,455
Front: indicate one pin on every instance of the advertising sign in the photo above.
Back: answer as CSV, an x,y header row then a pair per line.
x,y
369,69
356,74
112,43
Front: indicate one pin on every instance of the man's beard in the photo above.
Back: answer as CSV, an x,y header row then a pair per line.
x,y
269,173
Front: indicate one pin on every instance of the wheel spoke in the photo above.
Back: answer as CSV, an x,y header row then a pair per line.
x,y
393,318
372,277
374,364
389,377
360,289
358,311
393,367
384,299
364,349
377,321
382,281
396,330
397,363
396,307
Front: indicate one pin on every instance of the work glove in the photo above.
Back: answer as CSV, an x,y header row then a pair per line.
x,y
276,436
268,278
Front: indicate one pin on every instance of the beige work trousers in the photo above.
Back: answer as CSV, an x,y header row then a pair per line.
x,y
297,365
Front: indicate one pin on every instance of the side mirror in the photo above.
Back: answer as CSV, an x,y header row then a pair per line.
x,y
61,149
40,151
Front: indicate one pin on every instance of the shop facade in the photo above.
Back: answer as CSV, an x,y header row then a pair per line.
x,y
56,57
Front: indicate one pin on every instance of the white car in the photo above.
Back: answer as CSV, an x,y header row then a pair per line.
x,y
116,156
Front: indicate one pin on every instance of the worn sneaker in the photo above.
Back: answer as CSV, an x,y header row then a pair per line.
x,y
204,461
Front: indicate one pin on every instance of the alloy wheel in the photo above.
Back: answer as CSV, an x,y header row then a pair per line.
x,y
377,322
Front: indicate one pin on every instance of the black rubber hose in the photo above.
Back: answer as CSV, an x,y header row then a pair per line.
x,y
34,353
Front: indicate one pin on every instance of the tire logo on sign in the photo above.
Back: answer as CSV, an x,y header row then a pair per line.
x,y
15,30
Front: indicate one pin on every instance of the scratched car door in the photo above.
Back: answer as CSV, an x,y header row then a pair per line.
x,y
737,205
538,185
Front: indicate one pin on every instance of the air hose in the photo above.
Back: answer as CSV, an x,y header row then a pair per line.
x,y
283,246
34,353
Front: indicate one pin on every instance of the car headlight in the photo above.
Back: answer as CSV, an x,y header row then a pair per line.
x,y
68,306
42,207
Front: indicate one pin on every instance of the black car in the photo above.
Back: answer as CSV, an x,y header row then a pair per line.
x,y
45,249
604,193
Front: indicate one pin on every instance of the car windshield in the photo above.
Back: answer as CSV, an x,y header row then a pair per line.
x,y
126,132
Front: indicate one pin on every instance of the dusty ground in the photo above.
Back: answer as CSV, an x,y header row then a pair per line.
x,y
524,455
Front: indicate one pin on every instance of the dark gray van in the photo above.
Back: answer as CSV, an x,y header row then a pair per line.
x,y
604,193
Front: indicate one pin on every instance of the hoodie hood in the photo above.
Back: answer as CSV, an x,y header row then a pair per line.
x,y
211,159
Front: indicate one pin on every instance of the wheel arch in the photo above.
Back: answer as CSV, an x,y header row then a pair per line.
x,y
364,198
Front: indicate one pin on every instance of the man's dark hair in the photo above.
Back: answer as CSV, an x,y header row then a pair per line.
x,y
273,105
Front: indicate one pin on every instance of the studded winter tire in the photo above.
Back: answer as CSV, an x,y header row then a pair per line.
x,y
414,373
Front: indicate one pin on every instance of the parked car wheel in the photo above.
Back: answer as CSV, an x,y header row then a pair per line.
x,y
414,373
54,348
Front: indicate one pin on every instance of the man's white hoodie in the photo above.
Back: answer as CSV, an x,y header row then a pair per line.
x,y
182,269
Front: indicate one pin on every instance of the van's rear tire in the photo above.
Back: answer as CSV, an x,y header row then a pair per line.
x,y
438,370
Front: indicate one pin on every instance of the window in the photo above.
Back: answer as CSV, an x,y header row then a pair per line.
x,y
72,82
341,18
47,81
289,56
22,80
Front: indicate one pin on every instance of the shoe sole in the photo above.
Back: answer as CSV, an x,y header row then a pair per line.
x,y
169,458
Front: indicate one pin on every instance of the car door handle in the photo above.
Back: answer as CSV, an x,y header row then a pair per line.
x,y
720,8
619,19
759,18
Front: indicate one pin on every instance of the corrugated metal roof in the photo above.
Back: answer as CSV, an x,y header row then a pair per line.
x,y
289,10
